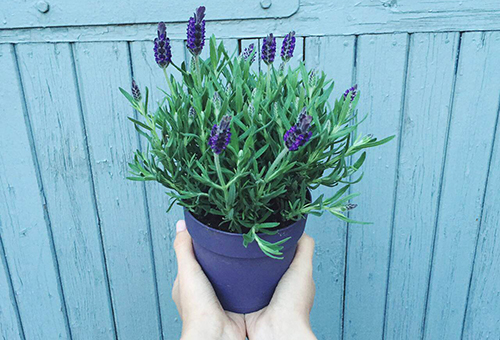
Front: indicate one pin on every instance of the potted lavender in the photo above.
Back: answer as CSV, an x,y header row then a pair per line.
x,y
241,151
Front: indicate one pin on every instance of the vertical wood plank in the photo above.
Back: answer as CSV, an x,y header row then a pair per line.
x,y
482,318
231,46
468,156
23,227
10,326
101,69
381,81
53,105
328,231
427,104
147,73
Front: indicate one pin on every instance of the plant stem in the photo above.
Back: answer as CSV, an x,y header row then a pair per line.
x,y
275,163
169,82
268,80
219,170
221,179
197,66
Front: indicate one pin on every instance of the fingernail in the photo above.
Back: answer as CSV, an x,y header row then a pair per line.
x,y
180,226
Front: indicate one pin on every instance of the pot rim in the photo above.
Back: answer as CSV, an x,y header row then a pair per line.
x,y
291,226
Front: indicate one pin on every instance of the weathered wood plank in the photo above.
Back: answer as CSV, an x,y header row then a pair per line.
x,y
101,69
62,154
147,73
381,81
425,124
482,319
468,155
328,231
314,18
96,12
23,226
10,326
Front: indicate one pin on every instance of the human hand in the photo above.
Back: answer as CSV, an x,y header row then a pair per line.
x,y
200,310
287,315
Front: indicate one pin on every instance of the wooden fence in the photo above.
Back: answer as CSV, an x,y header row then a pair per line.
x,y
85,254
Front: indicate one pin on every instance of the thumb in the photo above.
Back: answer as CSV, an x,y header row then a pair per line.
x,y
183,247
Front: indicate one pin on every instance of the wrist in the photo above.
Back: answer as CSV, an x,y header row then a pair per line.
x,y
209,331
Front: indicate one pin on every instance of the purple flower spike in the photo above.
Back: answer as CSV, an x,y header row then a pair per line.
x,y
298,134
269,49
136,93
288,46
247,53
196,32
353,90
163,53
220,135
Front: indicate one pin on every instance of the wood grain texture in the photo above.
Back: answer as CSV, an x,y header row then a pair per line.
x,y
147,73
335,56
482,318
467,159
313,18
381,83
101,69
10,325
95,12
431,69
23,226
62,155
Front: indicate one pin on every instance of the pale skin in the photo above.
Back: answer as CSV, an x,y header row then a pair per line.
x,y
286,317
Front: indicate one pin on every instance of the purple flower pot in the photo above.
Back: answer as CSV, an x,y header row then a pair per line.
x,y
244,279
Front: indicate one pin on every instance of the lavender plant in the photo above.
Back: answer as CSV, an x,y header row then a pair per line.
x,y
241,150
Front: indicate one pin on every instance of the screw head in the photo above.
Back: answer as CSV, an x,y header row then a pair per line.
x,y
265,4
42,6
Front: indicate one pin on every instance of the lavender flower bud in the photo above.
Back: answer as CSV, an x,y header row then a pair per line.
x,y
247,53
298,134
350,206
281,69
196,31
251,110
220,135
217,101
288,46
269,49
191,112
136,93
353,91
313,78
229,89
162,49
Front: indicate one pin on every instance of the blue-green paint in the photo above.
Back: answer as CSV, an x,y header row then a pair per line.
x,y
86,254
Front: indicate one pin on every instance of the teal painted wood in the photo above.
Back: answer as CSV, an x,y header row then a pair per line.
x,y
101,69
381,81
482,317
429,89
313,18
466,169
62,154
147,73
335,56
10,325
24,228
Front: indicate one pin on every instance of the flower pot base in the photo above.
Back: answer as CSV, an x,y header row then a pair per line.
x,y
244,279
